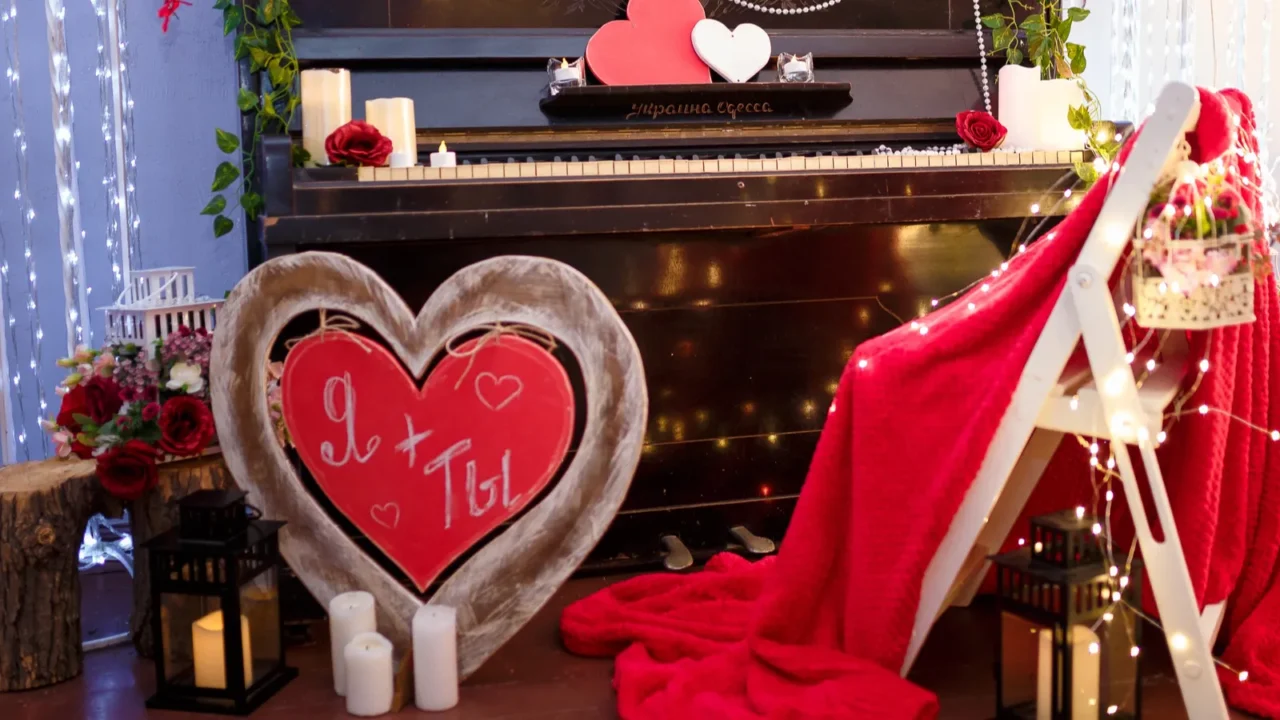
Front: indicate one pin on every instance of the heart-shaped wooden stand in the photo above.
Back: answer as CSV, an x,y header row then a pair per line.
x,y
501,586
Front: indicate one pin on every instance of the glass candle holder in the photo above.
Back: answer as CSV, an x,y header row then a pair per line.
x,y
795,68
561,74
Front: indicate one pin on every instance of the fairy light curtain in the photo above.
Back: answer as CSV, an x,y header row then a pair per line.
x,y
68,218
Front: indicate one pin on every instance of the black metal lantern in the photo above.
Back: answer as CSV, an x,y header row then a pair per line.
x,y
218,563
1068,641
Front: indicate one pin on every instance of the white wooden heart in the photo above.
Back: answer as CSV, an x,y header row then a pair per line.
x,y
501,586
736,55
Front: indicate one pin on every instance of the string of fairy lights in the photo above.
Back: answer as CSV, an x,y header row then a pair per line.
x,y
107,80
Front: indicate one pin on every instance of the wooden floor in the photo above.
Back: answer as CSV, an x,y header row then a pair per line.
x,y
533,678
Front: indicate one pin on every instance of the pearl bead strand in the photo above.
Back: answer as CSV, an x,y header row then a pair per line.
x,y
786,11
982,55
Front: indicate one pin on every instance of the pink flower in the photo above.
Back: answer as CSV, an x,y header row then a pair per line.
x,y
62,440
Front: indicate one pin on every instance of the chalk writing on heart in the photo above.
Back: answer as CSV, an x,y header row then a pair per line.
x,y
387,515
497,392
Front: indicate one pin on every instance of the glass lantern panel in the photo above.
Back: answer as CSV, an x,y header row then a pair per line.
x,y
1025,667
260,606
191,626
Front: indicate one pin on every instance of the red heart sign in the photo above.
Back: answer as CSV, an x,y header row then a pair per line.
x,y
653,46
426,474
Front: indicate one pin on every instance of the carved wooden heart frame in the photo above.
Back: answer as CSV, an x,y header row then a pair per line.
x,y
500,587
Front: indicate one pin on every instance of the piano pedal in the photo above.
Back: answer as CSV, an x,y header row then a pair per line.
x,y
753,543
678,556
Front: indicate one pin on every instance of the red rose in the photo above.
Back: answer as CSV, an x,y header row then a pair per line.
x,y
186,426
103,398
150,412
1227,206
357,143
126,471
980,130
75,402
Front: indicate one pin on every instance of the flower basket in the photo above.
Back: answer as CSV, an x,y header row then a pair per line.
x,y
1206,282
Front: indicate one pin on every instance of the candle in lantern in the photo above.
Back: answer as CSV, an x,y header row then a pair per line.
x,y
444,158
566,73
207,649
795,67
350,614
435,657
1086,674
394,118
370,677
326,106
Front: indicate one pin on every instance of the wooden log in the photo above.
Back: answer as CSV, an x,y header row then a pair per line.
x,y
44,507
155,513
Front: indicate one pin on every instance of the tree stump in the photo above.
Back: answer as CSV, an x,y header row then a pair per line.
x,y
44,507
157,512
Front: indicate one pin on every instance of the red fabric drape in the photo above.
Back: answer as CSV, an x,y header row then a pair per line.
x,y
821,631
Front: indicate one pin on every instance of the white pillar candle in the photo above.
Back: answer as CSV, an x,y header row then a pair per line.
x,y
350,614
1016,105
370,676
394,118
1086,673
444,158
1054,99
435,657
567,72
326,106
207,648
1044,677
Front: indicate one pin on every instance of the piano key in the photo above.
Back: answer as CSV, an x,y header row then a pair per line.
x,y
1026,158
755,166
879,161
988,158
591,168
740,164
382,173
935,161
682,166
724,166
527,169
811,163
1064,157
895,161
770,165
649,167
430,173
559,169
466,172
666,167
542,169
606,167
365,174
1039,157
1003,158
574,169
826,163
449,173
1077,156
949,160
840,163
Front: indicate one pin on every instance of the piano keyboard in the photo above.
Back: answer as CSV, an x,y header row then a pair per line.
x,y
596,168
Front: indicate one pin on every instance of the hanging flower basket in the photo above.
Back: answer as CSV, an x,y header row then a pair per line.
x,y
1194,284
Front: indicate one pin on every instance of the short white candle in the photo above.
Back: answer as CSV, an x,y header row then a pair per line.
x,y
326,106
444,158
435,657
394,118
566,72
370,677
795,67
350,614
207,647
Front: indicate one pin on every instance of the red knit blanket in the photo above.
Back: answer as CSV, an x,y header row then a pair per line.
x,y
822,631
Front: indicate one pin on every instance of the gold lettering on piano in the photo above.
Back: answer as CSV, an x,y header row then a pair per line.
x,y
653,111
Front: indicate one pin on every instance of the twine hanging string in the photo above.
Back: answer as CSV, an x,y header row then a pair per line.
x,y
343,324
493,332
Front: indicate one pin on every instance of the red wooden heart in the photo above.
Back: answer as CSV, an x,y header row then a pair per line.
x,y
653,46
426,474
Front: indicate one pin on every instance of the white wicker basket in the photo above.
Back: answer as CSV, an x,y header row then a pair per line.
x,y
1161,304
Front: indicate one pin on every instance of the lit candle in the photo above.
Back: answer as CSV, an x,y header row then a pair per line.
x,y
1053,101
394,118
370,677
435,657
350,614
207,648
326,106
1044,677
795,67
1086,674
566,73
444,158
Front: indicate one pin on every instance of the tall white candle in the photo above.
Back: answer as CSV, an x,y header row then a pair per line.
x,y
1086,674
435,657
207,648
326,106
350,614
394,118
1016,105
1055,99
1044,677
370,676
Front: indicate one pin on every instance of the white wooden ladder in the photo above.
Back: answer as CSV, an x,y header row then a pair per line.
x,y
1108,404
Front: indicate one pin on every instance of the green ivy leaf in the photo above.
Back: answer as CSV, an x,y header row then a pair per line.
x,y
1063,28
1003,37
222,5
1075,56
231,19
1076,14
280,74
291,19
223,176
993,21
1088,174
222,225
258,58
1078,117
1015,56
300,156
1034,23
215,206
246,100
270,10
227,142
85,422
252,203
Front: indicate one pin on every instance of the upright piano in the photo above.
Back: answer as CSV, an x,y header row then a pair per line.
x,y
749,255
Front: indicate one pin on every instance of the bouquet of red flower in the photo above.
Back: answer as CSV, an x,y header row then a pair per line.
x,y
129,411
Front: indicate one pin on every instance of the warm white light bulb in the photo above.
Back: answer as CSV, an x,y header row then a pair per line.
x,y
1097,529
862,364
1204,409
1178,642
1133,651
1112,709
1162,436
1110,495
1094,648
1080,508
1093,450
1204,366
1114,571
1124,581
1244,675
1108,617
1151,365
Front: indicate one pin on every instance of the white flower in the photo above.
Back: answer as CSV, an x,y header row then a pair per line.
x,y
185,377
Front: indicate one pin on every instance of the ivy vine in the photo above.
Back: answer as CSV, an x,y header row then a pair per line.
x,y
264,35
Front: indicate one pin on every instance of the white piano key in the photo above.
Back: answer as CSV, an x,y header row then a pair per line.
x,y
382,174
935,161
467,172
542,169
787,164
364,174
528,169
1004,158
607,167
559,169
988,158
400,174
840,162
574,169
1026,158
740,165
1077,156
510,170
1063,157
769,165
681,167
826,162
590,168
724,166
879,161
627,167
1040,157
755,166
449,173
950,160
666,167
812,163
430,173
895,161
